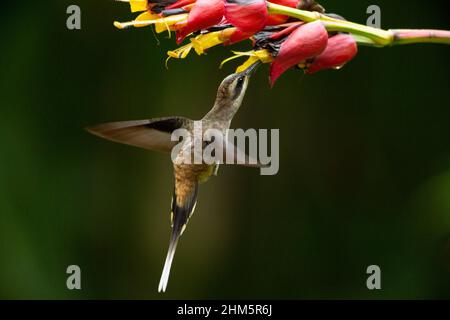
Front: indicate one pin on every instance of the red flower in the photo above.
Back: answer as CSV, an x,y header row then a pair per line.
x,y
204,14
307,41
234,35
275,19
180,4
287,3
286,31
249,16
340,49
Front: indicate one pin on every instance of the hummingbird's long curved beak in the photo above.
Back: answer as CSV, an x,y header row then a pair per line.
x,y
249,71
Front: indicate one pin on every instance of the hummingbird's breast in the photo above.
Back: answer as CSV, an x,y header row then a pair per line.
x,y
188,173
186,178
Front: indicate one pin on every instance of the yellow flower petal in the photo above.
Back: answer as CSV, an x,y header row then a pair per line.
x,y
264,56
229,59
146,19
250,61
164,24
260,55
138,5
200,43
146,16
237,54
205,41
181,52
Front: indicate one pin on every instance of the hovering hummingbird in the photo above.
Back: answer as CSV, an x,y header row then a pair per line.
x,y
155,134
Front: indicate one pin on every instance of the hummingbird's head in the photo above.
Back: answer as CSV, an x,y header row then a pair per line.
x,y
231,91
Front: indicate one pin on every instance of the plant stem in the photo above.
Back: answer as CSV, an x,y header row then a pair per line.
x,y
365,35
408,36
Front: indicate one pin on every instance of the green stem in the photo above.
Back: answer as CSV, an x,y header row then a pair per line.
x,y
365,35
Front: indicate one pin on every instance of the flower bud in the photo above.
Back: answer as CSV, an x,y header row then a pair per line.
x,y
249,16
307,41
340,49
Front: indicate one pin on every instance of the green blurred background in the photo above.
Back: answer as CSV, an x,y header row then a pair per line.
x,y
364,166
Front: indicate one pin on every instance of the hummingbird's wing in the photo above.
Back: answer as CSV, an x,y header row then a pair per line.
x,y
152,134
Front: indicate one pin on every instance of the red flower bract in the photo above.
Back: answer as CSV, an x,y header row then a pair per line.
x,y
307,41
340,49
249,16
275,19
287,3
204,14
237,36
179,4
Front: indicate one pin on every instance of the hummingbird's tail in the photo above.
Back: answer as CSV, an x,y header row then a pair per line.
x,y
180,215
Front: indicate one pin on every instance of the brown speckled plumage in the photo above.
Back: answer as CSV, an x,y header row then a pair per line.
x,y
186,178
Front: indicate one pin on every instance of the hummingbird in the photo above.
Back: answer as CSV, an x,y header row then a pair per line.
x,y
155,135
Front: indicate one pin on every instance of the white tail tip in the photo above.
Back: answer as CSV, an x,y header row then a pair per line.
x,y
167,265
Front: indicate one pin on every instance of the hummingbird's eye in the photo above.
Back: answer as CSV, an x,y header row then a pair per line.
x,y
240,82
238,87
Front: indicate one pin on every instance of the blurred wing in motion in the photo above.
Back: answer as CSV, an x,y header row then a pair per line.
x,y
152,134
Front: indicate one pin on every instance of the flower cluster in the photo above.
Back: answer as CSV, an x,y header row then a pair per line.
x,y
282,41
